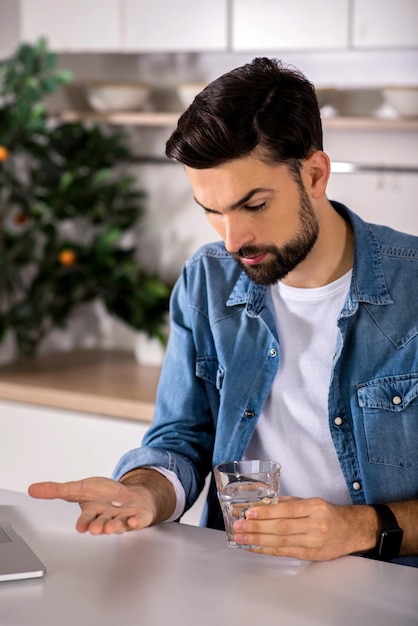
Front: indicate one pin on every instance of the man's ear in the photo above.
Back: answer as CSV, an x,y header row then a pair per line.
x,y
317,169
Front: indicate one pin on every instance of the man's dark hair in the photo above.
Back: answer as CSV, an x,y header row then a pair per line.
x,y
262,105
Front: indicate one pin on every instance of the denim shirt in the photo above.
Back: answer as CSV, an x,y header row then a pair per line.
x,y
223,354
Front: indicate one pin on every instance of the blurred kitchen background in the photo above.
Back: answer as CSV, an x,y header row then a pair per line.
x,y
74,415
352,50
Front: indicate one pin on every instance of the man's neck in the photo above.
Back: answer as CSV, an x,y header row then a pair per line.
x,y
332,255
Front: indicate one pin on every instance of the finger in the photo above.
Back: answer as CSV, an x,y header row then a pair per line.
x,y
73,491
288,507
293,552
108,526
77,491
105,519
271,541
101,525
126,523
92,512
46,490
273,528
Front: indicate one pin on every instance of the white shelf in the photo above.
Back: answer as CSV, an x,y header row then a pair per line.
x,y
152,118
125,118
370,123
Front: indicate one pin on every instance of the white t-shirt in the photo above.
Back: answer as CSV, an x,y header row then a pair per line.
x,y
293,427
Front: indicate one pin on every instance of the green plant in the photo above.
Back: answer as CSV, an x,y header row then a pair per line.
x,y
67,206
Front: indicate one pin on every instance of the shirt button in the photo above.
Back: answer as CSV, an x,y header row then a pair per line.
x,y
396,400
273,352
249,413
356,486
338,421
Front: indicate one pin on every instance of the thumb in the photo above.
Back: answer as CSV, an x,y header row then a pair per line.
x,y
71,491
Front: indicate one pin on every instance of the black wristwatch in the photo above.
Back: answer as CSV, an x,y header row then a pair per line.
x,y
390,540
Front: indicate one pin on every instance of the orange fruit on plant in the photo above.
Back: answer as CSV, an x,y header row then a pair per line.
x,y
67,257
21,219
4,153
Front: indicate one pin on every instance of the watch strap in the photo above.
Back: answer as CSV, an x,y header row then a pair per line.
x,y
390,540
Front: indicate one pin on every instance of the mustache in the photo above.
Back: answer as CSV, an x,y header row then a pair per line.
x,y
253,251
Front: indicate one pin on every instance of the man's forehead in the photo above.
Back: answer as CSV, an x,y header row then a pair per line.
x,y
232,182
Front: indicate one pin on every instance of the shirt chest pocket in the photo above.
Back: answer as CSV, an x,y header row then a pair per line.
x,y
390,412
210,372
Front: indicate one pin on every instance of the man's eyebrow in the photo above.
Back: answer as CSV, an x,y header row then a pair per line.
x,y
241,201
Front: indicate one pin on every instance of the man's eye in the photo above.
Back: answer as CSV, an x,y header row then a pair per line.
x,y
257,207
211,212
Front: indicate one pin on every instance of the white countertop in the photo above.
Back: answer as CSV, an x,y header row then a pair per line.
x,y
176,574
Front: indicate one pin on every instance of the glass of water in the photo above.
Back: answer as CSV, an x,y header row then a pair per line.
x,y
242,485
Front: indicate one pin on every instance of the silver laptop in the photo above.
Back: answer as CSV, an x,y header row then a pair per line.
x,y
17,560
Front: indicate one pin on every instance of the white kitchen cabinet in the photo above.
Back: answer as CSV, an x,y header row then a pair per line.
x,y
115,25
280,24
180,25
152,26
68,25
385,23
42,443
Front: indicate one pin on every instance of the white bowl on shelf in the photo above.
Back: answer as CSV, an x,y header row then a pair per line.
x,y
324,96
403,99
357,102
116,96
188,91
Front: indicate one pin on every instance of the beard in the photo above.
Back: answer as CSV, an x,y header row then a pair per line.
x,y
286,258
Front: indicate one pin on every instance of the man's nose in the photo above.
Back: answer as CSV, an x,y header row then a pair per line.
x,y
236,234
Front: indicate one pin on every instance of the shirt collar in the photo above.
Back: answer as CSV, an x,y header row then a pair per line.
x,y
368,282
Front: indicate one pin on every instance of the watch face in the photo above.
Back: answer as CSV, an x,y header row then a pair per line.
x,y
390,544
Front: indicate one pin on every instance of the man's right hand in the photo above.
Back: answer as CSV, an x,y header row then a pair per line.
x,y
110,507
